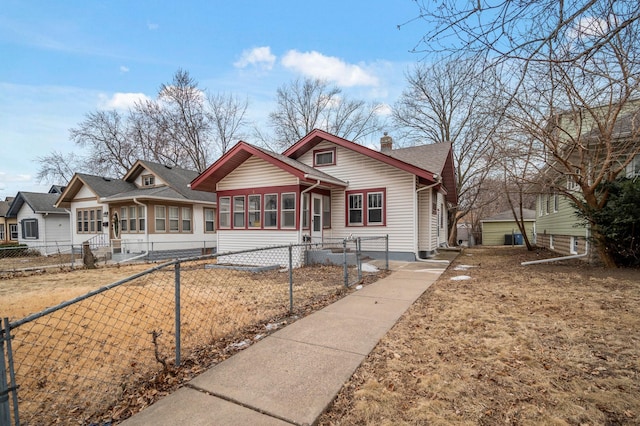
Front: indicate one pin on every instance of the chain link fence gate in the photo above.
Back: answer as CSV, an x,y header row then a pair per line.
x,y
82,361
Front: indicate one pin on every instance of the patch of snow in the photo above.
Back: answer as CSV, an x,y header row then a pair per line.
x,y
461,277
359,287
463,267
367,267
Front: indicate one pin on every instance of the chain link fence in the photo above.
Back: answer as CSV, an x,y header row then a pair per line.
x,y
83,361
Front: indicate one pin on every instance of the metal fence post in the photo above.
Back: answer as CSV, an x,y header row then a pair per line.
x,y
386,252
73,257
12,373
5,409
177,298
344,261
290,279
359,257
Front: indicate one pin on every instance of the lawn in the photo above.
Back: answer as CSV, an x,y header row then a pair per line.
x,y
554,343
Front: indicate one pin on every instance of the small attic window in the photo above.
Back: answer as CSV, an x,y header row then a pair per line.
x,y
325,157
148,180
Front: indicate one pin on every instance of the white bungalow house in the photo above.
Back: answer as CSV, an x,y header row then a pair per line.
x,y
40,224
325,187
151,211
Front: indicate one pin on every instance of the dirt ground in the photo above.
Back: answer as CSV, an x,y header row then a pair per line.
x,y
554,344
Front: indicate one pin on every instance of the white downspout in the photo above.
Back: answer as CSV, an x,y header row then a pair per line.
x,y
315,185
555,259
416,219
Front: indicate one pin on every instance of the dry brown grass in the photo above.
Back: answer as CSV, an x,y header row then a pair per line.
x,y
84,362
553,344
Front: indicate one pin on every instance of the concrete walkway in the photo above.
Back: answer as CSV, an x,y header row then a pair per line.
x,y
291,376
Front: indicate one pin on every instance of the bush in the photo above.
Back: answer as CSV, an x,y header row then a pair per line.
x,y
619,221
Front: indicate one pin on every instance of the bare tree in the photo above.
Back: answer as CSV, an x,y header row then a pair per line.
x,y
57,167
305,105
452,102
184,126
227,114
585,117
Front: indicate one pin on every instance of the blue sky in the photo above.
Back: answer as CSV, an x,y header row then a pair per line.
x,y
62,59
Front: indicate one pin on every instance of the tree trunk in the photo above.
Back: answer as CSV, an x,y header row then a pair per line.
x,y
88,258
601,248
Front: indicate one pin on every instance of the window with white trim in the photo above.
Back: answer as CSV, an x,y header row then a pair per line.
x,y
209,220
161,218
174,219
355,209
574,245
2,232
556,202
148,180
124,222
224,207
305,211
133,218
13,231
366,207
271,210
238,211
374,208
185,219
326,211
88,220
254,210
141,218
288,210
633,168
324,157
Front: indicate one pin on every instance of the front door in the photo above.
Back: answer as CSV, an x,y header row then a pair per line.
x,y
316,218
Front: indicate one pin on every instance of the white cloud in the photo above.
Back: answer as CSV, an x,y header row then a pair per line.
x,y
123,69
259,56
316,65
589,26
152,26
121,100
384,110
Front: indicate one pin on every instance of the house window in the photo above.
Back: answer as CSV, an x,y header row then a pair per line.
x,y
366,207
133,221
547,204
238,211
374,208
633,168
88,220
2,232
305,211
225,212
551,241
555,202
209,220
325,157
326,211
255,212
271,210
161,218
174,219
574,245
288,210
13,231
123,219
355,209
30,229
186,219
141,219
148,180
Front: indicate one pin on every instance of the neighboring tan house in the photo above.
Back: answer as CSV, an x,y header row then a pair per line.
x,y
327,188
558,227
502,228
8,224
40,224
151,210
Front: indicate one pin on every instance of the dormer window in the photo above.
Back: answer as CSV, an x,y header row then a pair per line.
x,y
324,157
148,180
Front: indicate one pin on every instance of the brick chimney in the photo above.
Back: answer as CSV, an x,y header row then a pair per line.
x,y
386,143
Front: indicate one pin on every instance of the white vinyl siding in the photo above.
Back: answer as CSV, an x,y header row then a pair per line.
x,y
256,172
364,173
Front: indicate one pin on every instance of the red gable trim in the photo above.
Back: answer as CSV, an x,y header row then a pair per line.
x,y
316,136
232,159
